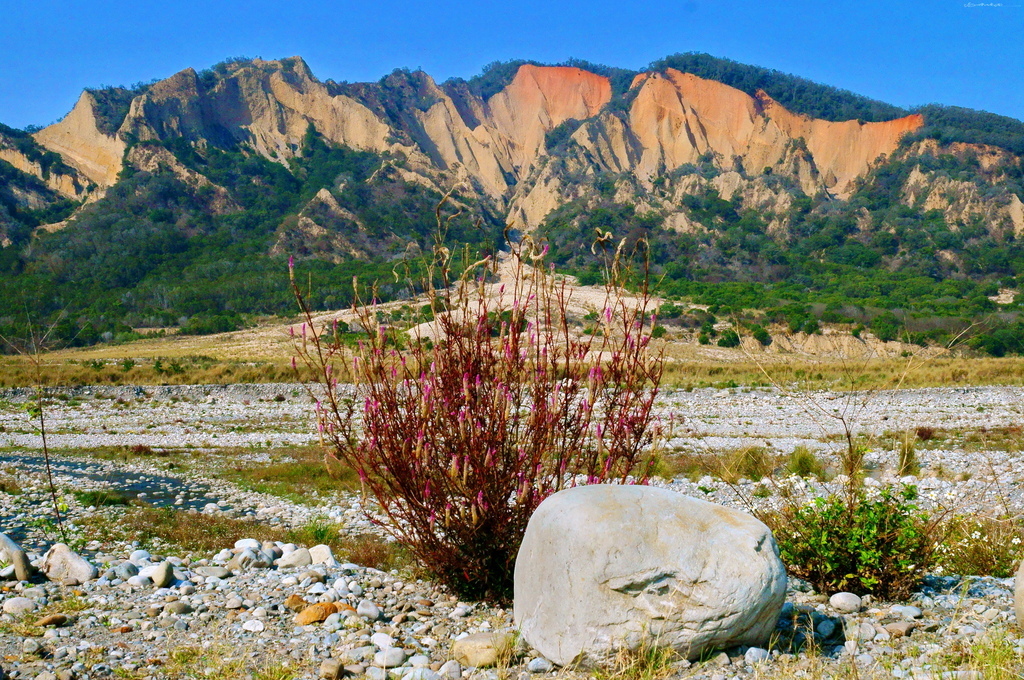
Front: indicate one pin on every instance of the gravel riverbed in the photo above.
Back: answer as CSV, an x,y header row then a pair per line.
x,y
212,619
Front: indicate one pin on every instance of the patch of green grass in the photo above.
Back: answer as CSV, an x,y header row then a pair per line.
x,y
102,497
300,474
803,463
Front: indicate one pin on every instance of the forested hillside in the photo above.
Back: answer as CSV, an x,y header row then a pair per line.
x,y
178,202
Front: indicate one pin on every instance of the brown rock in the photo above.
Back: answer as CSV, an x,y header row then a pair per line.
x,y
482,649
331,669
315,613
900,628
55,620
295,603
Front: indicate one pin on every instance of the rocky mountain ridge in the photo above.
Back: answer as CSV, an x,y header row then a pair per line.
x,y
721,166
495,144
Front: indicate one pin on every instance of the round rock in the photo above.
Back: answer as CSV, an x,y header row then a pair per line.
x,y
846,603
605,566
18,606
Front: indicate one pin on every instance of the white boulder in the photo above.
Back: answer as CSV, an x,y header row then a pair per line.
x,y
605,566
63,565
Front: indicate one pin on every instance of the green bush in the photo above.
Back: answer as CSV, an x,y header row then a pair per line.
x,y
860,543
761,335
730,338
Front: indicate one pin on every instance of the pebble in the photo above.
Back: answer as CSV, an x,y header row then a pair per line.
x,y
541,665
390,657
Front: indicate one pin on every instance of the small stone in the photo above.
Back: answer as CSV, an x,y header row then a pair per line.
x,y
392,657
54,620
163,574
233,602
899,629
177,608
481,649
368,609
17,606
906,611
846,603
382,640
295,603
315,613
721,660
321,554
331,669
755,655
540,665
12,553
825,628
297,558
253,626
421,673
215,572
451,669
247,544
375,673
31,646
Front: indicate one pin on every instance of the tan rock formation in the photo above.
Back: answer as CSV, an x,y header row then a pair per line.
x,y
65,185
79,141
495,148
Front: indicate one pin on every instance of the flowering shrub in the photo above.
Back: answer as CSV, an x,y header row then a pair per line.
x,y
980,546
860,543
468,430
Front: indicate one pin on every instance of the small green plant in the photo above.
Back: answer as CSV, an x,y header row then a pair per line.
x,y
803,463
980,546
647,661
316,531
751,462
127,365
908,463
102,497
875,543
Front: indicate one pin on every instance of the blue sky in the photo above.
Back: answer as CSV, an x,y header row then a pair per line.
x,y
964,53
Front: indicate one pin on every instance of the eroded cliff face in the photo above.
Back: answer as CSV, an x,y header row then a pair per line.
x,y
496,148
963,202
79,141
67,185
678,117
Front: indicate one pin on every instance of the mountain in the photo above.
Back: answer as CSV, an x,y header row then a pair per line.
x,y
181,198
